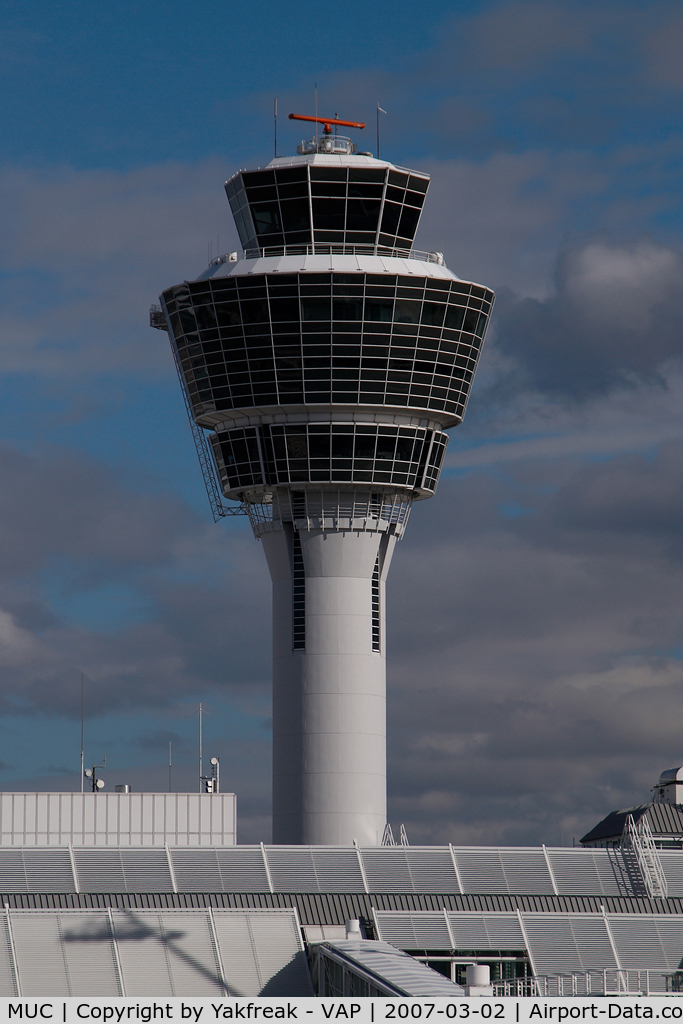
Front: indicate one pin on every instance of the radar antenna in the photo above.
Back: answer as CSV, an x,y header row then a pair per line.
x,y
327,122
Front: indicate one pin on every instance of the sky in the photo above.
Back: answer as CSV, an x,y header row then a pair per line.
x,y
535,605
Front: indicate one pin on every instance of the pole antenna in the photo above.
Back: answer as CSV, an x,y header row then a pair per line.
x,y
82,733
170,768
275,123
379,111
201,771
316,115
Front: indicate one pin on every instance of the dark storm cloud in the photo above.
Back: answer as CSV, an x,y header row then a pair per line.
x,y
616,317
629,495
159,740
69,530
535,672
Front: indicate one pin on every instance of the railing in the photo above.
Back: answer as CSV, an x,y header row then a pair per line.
x,y
359,508
329,248
637,842
586,983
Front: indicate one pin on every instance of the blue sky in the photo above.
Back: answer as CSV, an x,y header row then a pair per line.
x,y
536,603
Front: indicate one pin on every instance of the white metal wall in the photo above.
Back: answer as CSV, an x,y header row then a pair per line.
x,y
152,953
117,819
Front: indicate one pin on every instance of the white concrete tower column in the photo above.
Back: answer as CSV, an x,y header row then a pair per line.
x,y
329,682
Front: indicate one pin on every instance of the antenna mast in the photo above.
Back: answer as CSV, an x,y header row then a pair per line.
x,y
82,734
275,123
201,770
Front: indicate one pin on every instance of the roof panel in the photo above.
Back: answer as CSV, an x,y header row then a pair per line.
x,y
191,954
99,870
242,869
142,953
88,950
672,864
40,961
387,869
292,869
638,943
526,870
196,870
48,870
481,869
426,930
432,869
338,870
12,874
146,870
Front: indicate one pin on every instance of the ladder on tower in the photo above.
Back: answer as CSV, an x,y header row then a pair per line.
x,y
638,844
157,318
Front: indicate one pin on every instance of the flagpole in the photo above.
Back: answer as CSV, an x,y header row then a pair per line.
x,y
380,110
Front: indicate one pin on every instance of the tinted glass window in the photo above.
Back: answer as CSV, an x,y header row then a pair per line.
x,y
259,177
366,174
418,184
390,218
362,215
364,190
348,309
315,309
266,218
328,174
407,312
295,215
288,174
396,178
408,223
328,214
380,310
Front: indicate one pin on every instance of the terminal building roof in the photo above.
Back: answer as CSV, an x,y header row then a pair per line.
x,y
439,871
665,821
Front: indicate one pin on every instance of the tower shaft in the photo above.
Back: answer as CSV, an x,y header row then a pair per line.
x,y
329,680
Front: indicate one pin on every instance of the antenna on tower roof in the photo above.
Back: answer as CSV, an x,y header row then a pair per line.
x,y
275,123
379,111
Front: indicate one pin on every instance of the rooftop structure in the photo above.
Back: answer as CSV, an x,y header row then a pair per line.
x,y
326,361
240,920
117,819
663,817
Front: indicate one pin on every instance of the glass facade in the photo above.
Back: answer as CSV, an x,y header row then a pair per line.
x,y
319,339
353,453
337,205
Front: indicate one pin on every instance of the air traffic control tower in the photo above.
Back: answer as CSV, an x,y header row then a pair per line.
x,y
326,361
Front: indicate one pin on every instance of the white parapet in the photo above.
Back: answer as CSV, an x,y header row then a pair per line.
x,y
118,819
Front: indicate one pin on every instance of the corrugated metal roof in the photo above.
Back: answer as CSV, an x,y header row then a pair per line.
x,y
330,871
397,970
144,952
665,820
335,909
558,943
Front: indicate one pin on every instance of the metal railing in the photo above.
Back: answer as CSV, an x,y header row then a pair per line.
x,y
586,983
638,844
330,248
315,508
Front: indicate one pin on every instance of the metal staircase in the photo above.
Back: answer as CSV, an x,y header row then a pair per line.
x,y
638,849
